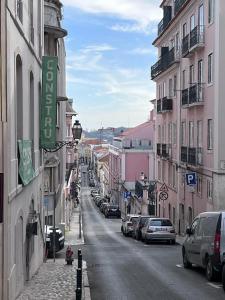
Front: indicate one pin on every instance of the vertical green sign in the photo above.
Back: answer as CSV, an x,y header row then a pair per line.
x,y
26,170
48,103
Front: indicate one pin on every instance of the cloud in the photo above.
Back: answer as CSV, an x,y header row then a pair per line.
x,y
144,51
98,48
141,12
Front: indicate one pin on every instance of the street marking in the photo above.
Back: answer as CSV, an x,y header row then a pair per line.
x,y
216,286
179,266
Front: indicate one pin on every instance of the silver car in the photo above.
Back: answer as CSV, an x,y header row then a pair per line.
x,y
158,229
127,224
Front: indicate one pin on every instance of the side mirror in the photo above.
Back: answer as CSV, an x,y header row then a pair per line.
x,y
188,231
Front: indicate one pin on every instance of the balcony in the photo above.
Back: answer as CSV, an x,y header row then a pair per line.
x,y
159,149
192,155
185,45
52,17
159,106
178,5
164,63
184,97
193,41
166,19
167,104
193,96
184,154
164,151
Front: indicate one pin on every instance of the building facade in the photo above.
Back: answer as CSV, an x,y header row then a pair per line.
x,y
55,163
136,157
23,165
189,107
3,177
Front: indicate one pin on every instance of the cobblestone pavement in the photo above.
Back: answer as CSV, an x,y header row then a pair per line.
x,y
54,281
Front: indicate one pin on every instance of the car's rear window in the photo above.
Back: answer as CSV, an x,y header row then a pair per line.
x,y
160,222
113,207
133,219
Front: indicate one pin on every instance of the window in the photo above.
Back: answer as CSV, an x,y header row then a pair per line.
x,y
31,14
175,85
200,71
184,79
191,134
19,10
177,41
183,133
201,18
163,134
199,184
194,226
58,114
172,44
19,97
184,30
164,89
174,133
170,87
209,189
210,134
174,183
159,91
210,11
159,170
210,68
192,74
31,115
170,133
192,22
163,171
199,134
170,174
159,133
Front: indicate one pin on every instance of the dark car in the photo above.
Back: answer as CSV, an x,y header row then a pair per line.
x,y
138,226
59,239
112,211
92,183
103,206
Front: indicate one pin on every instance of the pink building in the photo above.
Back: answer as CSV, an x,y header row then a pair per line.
x,y
136,157
190,107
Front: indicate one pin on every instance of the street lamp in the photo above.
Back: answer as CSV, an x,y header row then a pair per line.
x,y
76,131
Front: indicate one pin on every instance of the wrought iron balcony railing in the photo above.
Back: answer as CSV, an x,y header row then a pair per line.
x,y
185,45
184,154
184,97
196,94
159,106
167,104
192,157
163,63
165,21
159,149
197,36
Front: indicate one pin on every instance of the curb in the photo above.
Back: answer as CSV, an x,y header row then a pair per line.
x,y
86,286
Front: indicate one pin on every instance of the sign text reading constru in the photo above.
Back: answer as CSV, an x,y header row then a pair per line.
x,y
48,103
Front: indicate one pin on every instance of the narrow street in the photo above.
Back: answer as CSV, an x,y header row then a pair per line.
x,y
126,269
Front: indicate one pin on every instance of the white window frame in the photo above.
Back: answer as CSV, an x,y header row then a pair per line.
x,y
210,134
211,11
191,133
210,68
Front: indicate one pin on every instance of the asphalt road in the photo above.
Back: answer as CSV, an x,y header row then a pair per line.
x,y
120,268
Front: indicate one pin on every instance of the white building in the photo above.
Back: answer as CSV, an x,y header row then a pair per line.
x,y
24,238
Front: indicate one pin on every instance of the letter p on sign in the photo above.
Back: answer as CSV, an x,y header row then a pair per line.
x,y
191,178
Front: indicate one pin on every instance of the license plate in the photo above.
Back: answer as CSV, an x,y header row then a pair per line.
x,y
160,229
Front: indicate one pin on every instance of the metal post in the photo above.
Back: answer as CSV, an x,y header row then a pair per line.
x,y
79,284
54,228
79,256
79,222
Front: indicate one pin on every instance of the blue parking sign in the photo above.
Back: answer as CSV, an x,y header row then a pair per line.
x,y
191,178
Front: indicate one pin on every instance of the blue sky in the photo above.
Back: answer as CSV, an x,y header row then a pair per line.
x,y
109,55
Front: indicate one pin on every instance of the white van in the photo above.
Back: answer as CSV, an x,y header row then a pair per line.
x,y
205,243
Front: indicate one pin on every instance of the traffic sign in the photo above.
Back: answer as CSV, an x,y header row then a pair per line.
x,y
164,188
163,196
127,195
191,178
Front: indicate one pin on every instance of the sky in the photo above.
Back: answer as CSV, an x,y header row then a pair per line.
x,y
109,55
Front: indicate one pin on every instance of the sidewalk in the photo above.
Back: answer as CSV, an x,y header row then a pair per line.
x,y
56,280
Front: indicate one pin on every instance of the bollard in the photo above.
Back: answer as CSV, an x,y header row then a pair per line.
x,y
79,257
79,284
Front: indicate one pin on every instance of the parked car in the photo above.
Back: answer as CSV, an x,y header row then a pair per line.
x,y
112,210
103,206
205,244
128,223
92,183
138,226
94,193
59,239
158,229
97,198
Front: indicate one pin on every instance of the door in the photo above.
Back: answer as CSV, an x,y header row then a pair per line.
x,y
191,242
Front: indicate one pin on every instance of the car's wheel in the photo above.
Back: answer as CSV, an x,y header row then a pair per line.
x,y
122,229
139,236
210,272
223,277
186,262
